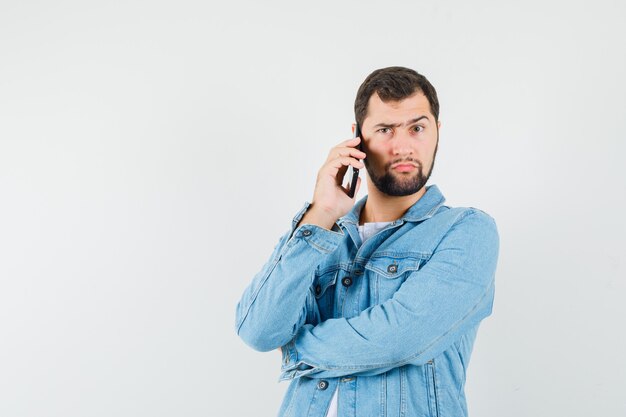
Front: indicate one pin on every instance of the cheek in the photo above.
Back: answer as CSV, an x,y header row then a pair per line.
x,y
374,161
426,150
377,152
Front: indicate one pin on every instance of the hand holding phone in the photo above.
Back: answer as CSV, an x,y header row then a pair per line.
x,y
331,200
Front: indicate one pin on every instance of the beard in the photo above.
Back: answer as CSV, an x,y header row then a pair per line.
x,y
399,184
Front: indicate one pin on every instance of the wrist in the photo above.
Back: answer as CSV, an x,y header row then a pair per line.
x,y
317,216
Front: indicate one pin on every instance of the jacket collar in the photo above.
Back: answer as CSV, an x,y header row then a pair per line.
x,y
423,209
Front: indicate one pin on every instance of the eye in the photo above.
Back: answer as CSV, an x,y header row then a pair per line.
x,y
418,128
384,130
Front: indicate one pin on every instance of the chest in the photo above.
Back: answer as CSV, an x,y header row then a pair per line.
x,y
356,277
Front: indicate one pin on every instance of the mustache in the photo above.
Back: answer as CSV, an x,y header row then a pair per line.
x,y
404,161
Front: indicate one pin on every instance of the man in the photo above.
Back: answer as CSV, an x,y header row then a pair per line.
x,y
376,305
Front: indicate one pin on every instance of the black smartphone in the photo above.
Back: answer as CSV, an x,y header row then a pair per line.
x,y
355,171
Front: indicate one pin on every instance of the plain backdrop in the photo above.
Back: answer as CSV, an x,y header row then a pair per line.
x,y
153,152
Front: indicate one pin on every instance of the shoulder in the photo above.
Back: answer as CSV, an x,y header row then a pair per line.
x,y
470,222
464,214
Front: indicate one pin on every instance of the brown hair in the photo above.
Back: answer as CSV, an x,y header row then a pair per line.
x,y
394,84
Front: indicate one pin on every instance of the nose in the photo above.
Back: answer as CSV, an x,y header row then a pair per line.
x,y
402,143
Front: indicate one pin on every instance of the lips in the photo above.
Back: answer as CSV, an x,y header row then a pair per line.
x,y
404,167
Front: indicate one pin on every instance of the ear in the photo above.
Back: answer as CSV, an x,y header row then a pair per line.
x,y
439,124
353,128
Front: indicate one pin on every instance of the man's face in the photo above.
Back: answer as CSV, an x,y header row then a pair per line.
x,y
395,133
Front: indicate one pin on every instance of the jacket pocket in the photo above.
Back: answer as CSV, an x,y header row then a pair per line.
x,y
387,272
433,389
323,289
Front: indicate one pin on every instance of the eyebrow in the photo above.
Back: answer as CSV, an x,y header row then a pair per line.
x,y
417,119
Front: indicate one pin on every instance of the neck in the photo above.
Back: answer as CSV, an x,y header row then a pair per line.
x,y
381,207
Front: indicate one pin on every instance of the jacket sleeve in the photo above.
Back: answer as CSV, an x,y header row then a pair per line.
x,y
273,307
432,309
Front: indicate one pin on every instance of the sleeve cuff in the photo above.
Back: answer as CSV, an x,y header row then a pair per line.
x,y
291,366
324,240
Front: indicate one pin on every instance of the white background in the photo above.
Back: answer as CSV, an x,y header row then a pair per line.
x,y
153,152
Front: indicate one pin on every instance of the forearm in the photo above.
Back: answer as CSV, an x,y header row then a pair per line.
x,y
365,346
274,306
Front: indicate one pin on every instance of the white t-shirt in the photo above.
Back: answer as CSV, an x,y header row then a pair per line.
x,y
366,231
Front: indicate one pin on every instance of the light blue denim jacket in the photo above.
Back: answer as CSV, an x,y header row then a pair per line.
x,y
391,322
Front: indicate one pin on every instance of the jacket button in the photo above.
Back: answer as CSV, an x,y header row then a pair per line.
x,y
306,232
392,268
347,281
322,385
318,289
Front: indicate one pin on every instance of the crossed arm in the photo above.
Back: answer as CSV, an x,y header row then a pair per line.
x,y
434,307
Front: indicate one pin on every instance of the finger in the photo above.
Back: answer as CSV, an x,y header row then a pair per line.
x,y
337,168
346,151
349,151
349,142
344,161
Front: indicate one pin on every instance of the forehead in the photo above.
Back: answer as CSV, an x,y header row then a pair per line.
x,y
415,105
